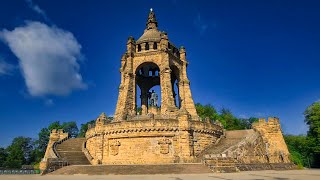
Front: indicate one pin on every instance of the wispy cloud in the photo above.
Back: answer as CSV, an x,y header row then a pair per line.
x,y
48,102
5,68
200,24
48,58
37,9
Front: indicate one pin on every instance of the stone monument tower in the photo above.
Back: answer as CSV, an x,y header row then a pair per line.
x,y
169,131
150,61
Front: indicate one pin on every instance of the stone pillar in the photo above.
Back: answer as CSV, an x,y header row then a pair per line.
x,y
184,140
184,87
99,141
126,99
167,101
143,46
144,101
126,104
131,45
105,154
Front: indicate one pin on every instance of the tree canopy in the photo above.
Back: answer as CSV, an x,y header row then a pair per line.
x,y
312,118
84,128
228,120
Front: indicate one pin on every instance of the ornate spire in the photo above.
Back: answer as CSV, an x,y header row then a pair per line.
x,y
152,21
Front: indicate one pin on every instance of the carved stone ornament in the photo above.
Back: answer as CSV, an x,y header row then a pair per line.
x,y
114,147
164,145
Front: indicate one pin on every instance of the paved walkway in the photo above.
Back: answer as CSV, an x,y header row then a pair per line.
x,y
253,175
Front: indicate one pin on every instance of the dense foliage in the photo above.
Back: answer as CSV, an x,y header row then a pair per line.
x,y
312,118
298,149
84,128
24,150
228,120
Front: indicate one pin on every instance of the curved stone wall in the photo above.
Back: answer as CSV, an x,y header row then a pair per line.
x,y
153,141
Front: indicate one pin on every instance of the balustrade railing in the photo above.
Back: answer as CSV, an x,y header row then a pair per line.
x,y
18,171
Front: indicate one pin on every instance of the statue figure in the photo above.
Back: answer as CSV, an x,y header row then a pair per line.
x,y
153,98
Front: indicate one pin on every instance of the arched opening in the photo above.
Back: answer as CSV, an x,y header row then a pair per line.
x,y
148,91
139,47
175,86
155,46
147,46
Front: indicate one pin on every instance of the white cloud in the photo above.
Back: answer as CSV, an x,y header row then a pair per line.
x,y
5,68
37,9
48,58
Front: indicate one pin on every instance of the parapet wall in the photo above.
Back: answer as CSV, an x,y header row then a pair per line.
x,y
271,134
152,141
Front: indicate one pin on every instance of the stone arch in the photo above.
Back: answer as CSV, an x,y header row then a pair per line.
x,y
147,76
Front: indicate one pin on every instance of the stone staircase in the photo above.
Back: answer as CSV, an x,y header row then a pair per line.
x,y
71,151
231,138
215,156
194,168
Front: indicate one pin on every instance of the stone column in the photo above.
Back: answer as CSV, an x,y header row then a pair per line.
x,y
105,154
184,87
184,140
126,99
144,101
167,101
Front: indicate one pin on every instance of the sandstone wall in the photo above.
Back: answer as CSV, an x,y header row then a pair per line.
x,y
155,141
276,148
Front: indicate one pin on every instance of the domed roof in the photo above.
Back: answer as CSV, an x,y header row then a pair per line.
x,y
150,35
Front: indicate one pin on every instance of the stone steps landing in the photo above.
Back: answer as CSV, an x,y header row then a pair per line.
x,y
222,164
195,168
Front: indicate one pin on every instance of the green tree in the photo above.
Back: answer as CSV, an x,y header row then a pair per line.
x,y
71,128
298,148
229,120
84,128
206,111
312,118
43,137
41,144
19,152
3,155
247,123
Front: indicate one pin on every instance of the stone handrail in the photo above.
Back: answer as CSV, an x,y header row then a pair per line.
x,y
86,152
54,146
54,164
252,137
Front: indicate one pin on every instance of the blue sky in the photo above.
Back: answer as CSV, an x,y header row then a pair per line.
x,y
60,60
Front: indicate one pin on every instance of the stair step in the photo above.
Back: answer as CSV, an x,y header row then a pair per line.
x,y
133,169
71,150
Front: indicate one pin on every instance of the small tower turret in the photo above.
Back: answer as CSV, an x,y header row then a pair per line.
x,y
152,21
